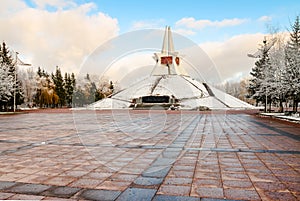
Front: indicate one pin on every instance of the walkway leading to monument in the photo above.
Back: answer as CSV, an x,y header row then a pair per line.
x,y
148,155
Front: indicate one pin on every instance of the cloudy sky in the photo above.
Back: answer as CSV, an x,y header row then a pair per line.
x,y
64,33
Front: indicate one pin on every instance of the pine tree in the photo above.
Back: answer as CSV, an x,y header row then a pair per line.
x,y
277,57
59,86
6,57
39,72
6,60
257,88
69,87
292,74
6,85
79,98
91,90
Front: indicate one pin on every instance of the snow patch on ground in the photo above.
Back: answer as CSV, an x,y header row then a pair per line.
x,y
294,117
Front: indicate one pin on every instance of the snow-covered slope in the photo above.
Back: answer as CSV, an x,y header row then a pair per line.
x,y
190,93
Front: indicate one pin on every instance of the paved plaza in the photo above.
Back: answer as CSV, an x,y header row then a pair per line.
x,y
148,155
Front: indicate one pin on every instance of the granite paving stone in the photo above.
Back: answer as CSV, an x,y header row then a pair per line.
x,y
4,196
271,195
207,182
237,184
61,191
137,194
207,192
124,155
86,183
6,184
174,198
113,185
241,194
34,189
148,181
59,180
174,190
102,195
25,197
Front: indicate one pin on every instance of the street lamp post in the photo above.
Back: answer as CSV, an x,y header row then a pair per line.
x,y
266,99
15,76
15,81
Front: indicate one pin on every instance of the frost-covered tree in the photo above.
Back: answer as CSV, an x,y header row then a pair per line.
x,y
105,87
292,73
6,58
90,89
277,57
29,85
238,90
6,86
257,86
10,64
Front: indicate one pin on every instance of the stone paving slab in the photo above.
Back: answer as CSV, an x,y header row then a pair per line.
x,y
157,155
99,195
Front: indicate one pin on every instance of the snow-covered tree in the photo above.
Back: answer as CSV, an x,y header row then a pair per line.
x,y
257,86
29,85
90,89
277,57
292,73
11,63
238,90
6,85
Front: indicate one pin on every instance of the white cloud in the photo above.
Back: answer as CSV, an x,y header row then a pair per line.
x,y
265,18
230,56
42,4
185,32
192,23
148,24
61,37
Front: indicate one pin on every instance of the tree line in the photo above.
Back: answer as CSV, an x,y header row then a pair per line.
x,y
44,90
276,74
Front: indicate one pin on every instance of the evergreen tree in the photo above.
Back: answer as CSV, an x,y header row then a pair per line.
x,y
91,91
59,86
6,57
292,73
6,85
6,60
79,98
277,56
39,72
69,87
257,86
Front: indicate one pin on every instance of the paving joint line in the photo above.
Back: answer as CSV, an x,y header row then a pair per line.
x,y
244,150
277,130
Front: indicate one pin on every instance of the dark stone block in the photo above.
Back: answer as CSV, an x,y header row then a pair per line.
x,y
174,198
163,161
148,181
35,189
159,172
61,191
103,195
170,154
137,194
216,199
6,184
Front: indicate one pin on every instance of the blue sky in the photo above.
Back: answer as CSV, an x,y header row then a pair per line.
x,y
50,33
158,13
